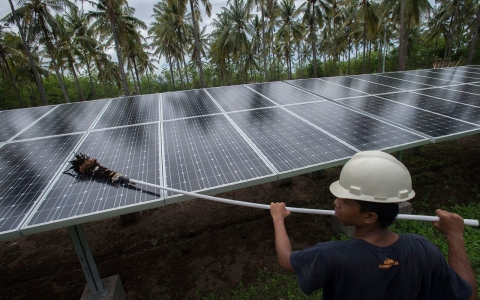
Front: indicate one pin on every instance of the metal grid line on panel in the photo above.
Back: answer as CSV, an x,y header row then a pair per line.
x,y
207,152
184,104
65,119
287,142
390,81
444,76
357,129
14,122
26,169
132,151
325,89
282,93
235,98
359,85
450,109
431,124
130,111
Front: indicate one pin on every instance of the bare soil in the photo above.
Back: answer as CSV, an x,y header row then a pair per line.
x,y
196,247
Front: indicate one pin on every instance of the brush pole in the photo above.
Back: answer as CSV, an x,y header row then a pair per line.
x,y
469,222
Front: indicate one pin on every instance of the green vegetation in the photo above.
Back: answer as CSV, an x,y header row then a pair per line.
x,y
62,57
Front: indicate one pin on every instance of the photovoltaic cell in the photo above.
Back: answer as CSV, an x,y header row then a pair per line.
x,y
456,72
451,109
132,151
66,118
14,121
325,89
233,98
282,93
26,169
418,79
130,111
361,131
360,85
288,142
453,95
184,104
468,88
421,121
390,81
450,78
207,152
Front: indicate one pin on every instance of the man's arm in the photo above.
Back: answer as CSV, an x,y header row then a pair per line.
x,y
452,226
282,242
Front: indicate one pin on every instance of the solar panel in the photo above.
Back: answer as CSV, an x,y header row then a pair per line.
x,y
436,126
287,142
361,131
390,81
282,93
66,118
208,152
418,79
360,85
233,98
454,95
132,151
184,104
456,72
325,89
448,108
26,169
130,111
14,121
449,78
468,88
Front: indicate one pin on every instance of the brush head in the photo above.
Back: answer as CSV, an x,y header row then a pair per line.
x,y
84,165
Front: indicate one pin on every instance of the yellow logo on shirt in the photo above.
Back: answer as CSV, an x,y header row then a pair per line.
x,y
388,263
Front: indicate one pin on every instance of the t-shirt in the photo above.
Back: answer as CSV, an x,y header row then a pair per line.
x,y
410,268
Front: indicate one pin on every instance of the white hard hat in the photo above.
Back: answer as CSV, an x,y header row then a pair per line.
x,y
374,176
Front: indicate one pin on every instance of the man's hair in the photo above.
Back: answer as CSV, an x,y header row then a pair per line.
x,y
387,212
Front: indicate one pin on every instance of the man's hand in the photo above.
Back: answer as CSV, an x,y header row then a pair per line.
x,y
278,211
450,224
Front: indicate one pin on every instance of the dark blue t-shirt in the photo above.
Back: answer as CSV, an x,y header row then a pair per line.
x,y
410,268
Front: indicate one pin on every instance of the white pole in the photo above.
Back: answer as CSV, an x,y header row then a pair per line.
x,y
469,222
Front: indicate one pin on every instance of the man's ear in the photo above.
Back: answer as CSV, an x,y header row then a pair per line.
x,y
371,217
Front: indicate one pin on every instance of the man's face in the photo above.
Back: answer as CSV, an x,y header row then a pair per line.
x,y
347,211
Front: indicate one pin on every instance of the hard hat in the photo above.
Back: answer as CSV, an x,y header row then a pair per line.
x,y
374,176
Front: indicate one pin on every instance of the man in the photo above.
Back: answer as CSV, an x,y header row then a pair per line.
x,y
378,263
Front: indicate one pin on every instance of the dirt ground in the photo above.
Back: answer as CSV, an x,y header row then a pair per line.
x,y
174,252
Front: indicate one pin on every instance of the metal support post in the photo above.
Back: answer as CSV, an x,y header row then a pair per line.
x,y
398,155
89,268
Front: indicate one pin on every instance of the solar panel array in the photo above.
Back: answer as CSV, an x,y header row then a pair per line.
x,y
217,139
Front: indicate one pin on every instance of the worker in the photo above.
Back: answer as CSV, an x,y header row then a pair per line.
x,y
378,263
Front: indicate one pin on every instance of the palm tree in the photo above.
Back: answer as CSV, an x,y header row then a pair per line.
x,y
107,15
38,80
290,30
194,9
312,18
8,54
474,35
261,4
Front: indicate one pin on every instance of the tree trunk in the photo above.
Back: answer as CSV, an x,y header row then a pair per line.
x,y
181,74
38,80
401,47
94,91
149,84
14,85
126,90
365,42
136,74
82,97
171,72
264,53
52,56
314,41
186,71
197,46
474,37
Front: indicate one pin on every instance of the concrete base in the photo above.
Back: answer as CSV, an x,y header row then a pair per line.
x,y
132,217
285,181
349,231
316,175
113,290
